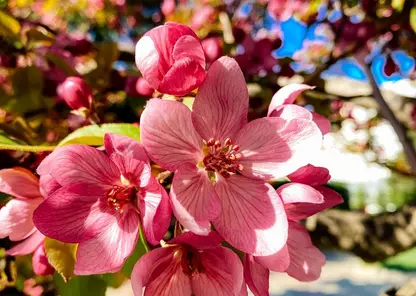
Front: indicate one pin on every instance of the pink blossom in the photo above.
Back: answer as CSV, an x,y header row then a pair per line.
x,y
256,56
212,48
221,162
168,7
76,93
189,265
143,88
282,106
171,59
102,200
202,16
16,217
299,258
284,9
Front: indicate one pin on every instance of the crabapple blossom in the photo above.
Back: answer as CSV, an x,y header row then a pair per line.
x,y
171,59
222,163
103,199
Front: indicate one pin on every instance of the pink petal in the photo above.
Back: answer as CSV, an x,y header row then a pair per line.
x,y
27,246
184,76
79,163
256,276
322,122
171,282
48,185
40,262
168,134
215,279
296,192
147,61
252,219
73,213
291,112
306,261
193,198
220,107
299,211
274,147
150,265
155,211
19,182
310,175
125,146
137,172
278,262
200,242
107,251
16,218
287,95
188,46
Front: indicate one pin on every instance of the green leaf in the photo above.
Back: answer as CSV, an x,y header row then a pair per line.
x,y
413,18
61,64
91,285
94,134
61,256
402,261
114,280
9,26
6,143
140,249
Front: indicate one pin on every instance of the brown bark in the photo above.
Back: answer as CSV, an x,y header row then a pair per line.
x,y
373,238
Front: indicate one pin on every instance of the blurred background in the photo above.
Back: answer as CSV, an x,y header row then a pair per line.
x,y
359,55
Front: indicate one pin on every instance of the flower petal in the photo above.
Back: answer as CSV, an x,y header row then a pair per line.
x,y
184,76
27,246
322,122
147,61
155,211
48,185
150,265
252,218
40,262
168,134
306,260
79,163
16,218
215,279
296,192
278,262
125,146
303,210
107,251
287,95
274,147
137,172
212,240
194,200
220,107
19,182
310,175
256,276
171,282
73,213
291,112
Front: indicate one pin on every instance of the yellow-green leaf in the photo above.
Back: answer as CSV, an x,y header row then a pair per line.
x,y
7,143
61,256
413,18
94,134
9,26
61,64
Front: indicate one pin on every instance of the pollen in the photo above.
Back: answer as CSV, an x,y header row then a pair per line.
x,y
222,157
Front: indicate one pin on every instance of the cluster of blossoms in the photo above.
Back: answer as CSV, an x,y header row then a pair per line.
x,y
220,195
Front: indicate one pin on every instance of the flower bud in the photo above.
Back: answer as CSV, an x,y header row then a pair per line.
x,y
76,93
143,88
171,59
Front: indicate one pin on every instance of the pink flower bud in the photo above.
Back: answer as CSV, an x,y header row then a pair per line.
x,y
76,93
143,88
212,48
168,7
171,59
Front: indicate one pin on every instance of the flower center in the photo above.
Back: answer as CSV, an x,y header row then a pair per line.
x,y
222,157
120,196
190,259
